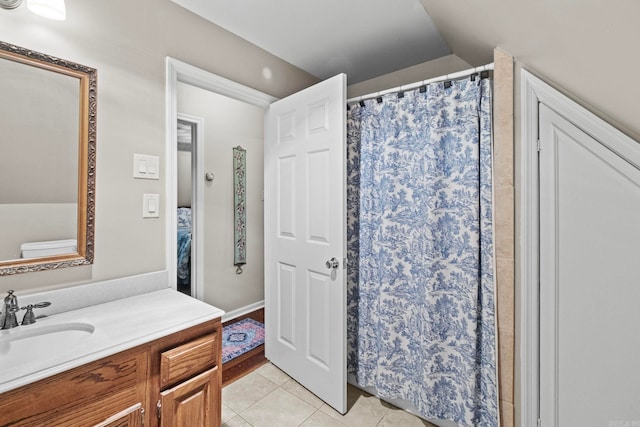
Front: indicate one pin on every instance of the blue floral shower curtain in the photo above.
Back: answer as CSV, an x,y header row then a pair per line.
x,y
421,316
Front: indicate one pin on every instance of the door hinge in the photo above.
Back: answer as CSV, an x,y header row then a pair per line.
x,y
159,409
538,146
539,422
344,263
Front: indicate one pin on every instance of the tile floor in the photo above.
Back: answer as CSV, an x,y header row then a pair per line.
x,y
268,397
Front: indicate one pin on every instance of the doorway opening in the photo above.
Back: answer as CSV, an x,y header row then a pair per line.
x,y
179,76
190,145
197,149
322,108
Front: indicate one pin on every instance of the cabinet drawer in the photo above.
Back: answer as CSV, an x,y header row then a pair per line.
x,y
188,360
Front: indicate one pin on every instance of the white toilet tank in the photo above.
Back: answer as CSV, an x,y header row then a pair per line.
x,y
49,248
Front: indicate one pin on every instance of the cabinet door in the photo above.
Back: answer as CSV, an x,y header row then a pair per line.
x,y
132,417
81,397
194,403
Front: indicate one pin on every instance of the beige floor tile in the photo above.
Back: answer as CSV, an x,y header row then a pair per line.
x,y
279,408
364,410
320,419
293,387
227,413
399,418
273,373
243,393
256,400
236,421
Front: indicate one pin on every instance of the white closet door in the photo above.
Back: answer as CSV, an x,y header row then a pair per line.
x,y
589,280
305,217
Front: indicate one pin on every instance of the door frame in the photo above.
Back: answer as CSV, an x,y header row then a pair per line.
x,y
178,71
533,92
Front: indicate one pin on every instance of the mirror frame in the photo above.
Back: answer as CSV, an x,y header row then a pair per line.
x,y
87,77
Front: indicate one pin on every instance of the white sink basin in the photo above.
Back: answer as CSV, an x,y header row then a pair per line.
x,y
53,341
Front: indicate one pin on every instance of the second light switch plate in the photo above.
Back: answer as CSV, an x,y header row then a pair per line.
x,y
150,205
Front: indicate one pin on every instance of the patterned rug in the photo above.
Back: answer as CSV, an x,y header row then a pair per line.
x,y
240,337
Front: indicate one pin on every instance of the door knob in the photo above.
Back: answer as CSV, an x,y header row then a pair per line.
x,y
333,263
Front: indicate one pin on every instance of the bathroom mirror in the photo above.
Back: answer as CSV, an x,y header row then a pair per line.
x,y
47,161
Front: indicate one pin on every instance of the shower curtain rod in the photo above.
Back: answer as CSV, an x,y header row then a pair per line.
x,y
416,85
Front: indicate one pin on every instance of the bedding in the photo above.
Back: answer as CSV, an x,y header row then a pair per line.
x,y
184,246
184,217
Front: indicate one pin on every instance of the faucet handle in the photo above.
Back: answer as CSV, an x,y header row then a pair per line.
x,y
41,304
29,317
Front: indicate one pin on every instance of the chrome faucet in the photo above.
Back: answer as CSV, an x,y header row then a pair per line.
x,y
9,311
8,318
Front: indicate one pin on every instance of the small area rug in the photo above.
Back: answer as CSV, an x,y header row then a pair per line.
x,y
240,337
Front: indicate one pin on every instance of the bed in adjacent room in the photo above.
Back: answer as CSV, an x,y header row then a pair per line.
x,y
184,247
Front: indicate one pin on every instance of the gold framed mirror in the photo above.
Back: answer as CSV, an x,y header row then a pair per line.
x,y
47,161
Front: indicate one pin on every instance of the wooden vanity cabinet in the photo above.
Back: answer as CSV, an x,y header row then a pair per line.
x,y
127,389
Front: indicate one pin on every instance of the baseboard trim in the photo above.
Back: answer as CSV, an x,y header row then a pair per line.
x,y
238,312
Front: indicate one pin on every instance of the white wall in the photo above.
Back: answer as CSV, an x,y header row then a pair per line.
x,y
586,48
227,124
426,70
128,41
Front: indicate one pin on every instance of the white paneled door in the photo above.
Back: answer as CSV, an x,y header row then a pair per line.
x,y
305,238
589,280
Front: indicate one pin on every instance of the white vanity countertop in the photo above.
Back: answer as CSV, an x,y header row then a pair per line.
x,y
119,325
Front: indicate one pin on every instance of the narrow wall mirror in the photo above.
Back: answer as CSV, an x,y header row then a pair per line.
x,y
47,161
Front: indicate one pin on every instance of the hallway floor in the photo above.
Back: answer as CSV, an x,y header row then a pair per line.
x,y
268,397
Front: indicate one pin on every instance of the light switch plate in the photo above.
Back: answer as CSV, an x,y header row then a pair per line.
x,y
146,167
150,205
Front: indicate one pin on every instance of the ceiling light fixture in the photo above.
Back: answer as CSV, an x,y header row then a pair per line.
x,y
51,9
10,4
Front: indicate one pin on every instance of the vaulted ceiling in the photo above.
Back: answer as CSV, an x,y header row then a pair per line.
x,y
586,48
363,38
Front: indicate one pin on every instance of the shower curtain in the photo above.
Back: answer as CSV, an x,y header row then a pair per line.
x,y
421,315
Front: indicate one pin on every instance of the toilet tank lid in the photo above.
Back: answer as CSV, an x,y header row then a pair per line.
x,y
51,244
